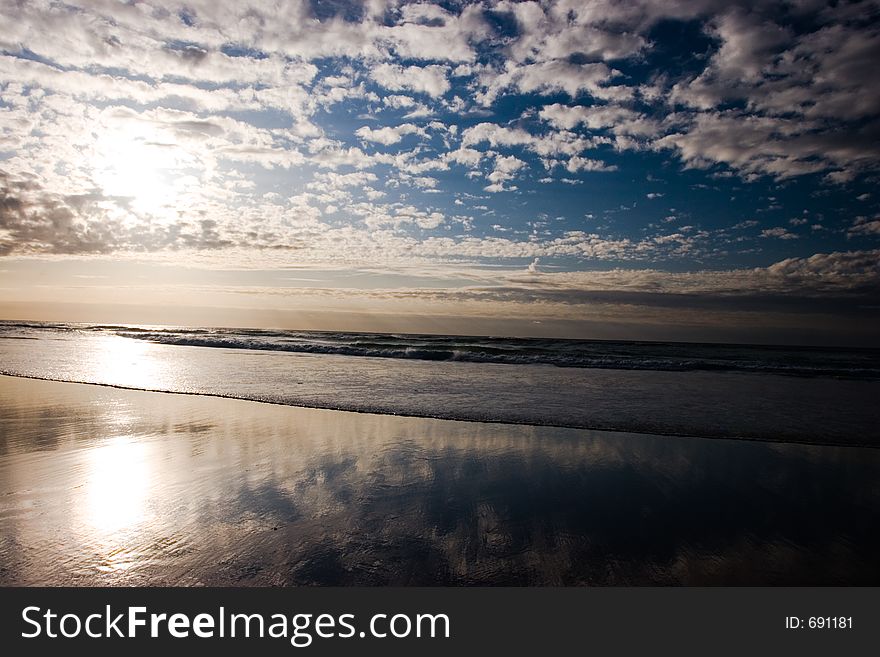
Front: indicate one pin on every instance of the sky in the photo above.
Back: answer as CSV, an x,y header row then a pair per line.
x,y
699,170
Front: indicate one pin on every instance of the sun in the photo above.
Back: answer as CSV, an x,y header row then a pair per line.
x,y
137,164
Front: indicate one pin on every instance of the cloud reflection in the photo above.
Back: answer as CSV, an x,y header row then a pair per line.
x,y
266,495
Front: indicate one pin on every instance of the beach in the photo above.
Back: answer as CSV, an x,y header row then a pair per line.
x,y
443,327
104,486
706,391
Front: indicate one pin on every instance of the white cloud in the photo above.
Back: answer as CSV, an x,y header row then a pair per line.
x,y
554,143
430,79
496,187
594,117
467,156
577,163
425,182
505,168
327,181
552,77
230,125
388,135
398,102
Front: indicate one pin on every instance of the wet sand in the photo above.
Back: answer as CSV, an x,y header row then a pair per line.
x,y
100,486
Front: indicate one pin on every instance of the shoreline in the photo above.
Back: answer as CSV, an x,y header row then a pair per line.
x,y
500,421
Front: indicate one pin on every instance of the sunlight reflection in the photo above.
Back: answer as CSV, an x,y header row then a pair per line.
x,y
125,362
117,484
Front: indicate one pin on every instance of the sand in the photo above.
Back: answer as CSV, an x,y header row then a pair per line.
x,y
101,486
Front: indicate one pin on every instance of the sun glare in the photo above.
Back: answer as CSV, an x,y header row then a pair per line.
x,y
136,162
124,362
117,484
115,500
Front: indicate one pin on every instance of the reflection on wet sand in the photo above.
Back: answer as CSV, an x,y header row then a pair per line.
x,y
115,487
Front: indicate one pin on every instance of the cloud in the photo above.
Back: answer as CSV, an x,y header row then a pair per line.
x,y
327,181
505,168
552,77
782,148
577,163
430,80
865,226
594,116
125,129
553,144
466,156
804,93
398,102
388,135
781,233
824,272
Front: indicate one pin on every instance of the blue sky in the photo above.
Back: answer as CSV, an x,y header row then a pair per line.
x,y
573,165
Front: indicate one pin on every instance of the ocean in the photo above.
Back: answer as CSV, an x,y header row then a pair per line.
x,y
592,463
798,394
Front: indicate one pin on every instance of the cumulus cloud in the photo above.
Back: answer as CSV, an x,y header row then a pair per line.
x,y
594,116
430,80
552,77
389,134
553,145
505,169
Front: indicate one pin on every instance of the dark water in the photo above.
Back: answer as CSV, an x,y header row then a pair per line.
x,y
738,401
117,487
837,362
